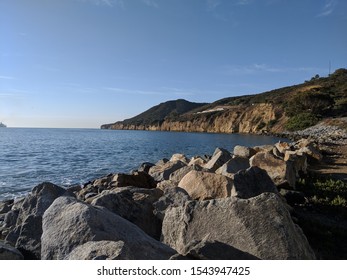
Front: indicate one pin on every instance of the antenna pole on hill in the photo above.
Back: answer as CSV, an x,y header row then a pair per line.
x,y
329,67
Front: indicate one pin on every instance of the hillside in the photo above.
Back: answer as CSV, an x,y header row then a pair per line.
x,y
290,108
156,114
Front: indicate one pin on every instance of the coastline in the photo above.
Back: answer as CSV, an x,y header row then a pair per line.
x,y
149,198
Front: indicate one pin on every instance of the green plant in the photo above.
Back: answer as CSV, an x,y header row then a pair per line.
x,y
301,121
325,192
312,101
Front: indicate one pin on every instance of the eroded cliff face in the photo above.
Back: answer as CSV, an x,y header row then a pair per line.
x,y
257,118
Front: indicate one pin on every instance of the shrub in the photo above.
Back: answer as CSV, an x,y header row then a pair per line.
x,y
301,121
311,101
326,192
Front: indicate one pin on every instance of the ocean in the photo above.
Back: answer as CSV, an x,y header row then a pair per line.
x,y
29,156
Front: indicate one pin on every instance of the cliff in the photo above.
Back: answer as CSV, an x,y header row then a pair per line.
x,y
290,108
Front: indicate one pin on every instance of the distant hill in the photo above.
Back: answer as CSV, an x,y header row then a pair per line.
x,y
157,114
289,108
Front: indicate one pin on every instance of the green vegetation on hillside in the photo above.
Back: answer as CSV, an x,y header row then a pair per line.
x,y
323,217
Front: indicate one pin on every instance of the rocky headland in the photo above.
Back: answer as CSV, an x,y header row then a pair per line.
x,y
278,111
248,203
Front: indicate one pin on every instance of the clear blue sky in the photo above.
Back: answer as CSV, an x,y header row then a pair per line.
x,y
82,63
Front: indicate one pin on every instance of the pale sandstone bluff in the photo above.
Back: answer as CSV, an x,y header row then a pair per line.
x,y
234,119
224,206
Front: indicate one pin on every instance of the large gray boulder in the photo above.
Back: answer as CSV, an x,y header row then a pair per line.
x,y
8,252
233,166
215,250
299,161
134,205
162,172
179,157
173,197
138,179
197,160
69,223
177,176
100,250
219,157
280,171
26,234
260,226
244,152
205,185
252,182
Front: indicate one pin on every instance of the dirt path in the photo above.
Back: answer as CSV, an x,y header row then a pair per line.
x,y
334,162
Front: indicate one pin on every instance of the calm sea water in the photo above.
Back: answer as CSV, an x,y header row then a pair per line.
x,y
29,156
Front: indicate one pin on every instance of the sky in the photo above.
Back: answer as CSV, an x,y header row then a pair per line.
x,y
83,63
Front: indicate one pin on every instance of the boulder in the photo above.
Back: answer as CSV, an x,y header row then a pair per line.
x,y
293,197
172,197
282,147
299,161
163,172
277,153
6,205
26,234
197,160
263,148
252,182
145,166
312,153
204,185
100,250
90,189
166,184
69,223
233,166
162,161
8,252
260,226
179,157
134,205
219,157
280,171
103,182
137,179
177,175
244,152
308,147
215,250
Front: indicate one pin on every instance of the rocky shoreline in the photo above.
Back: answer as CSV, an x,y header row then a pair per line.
x,y
231,205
